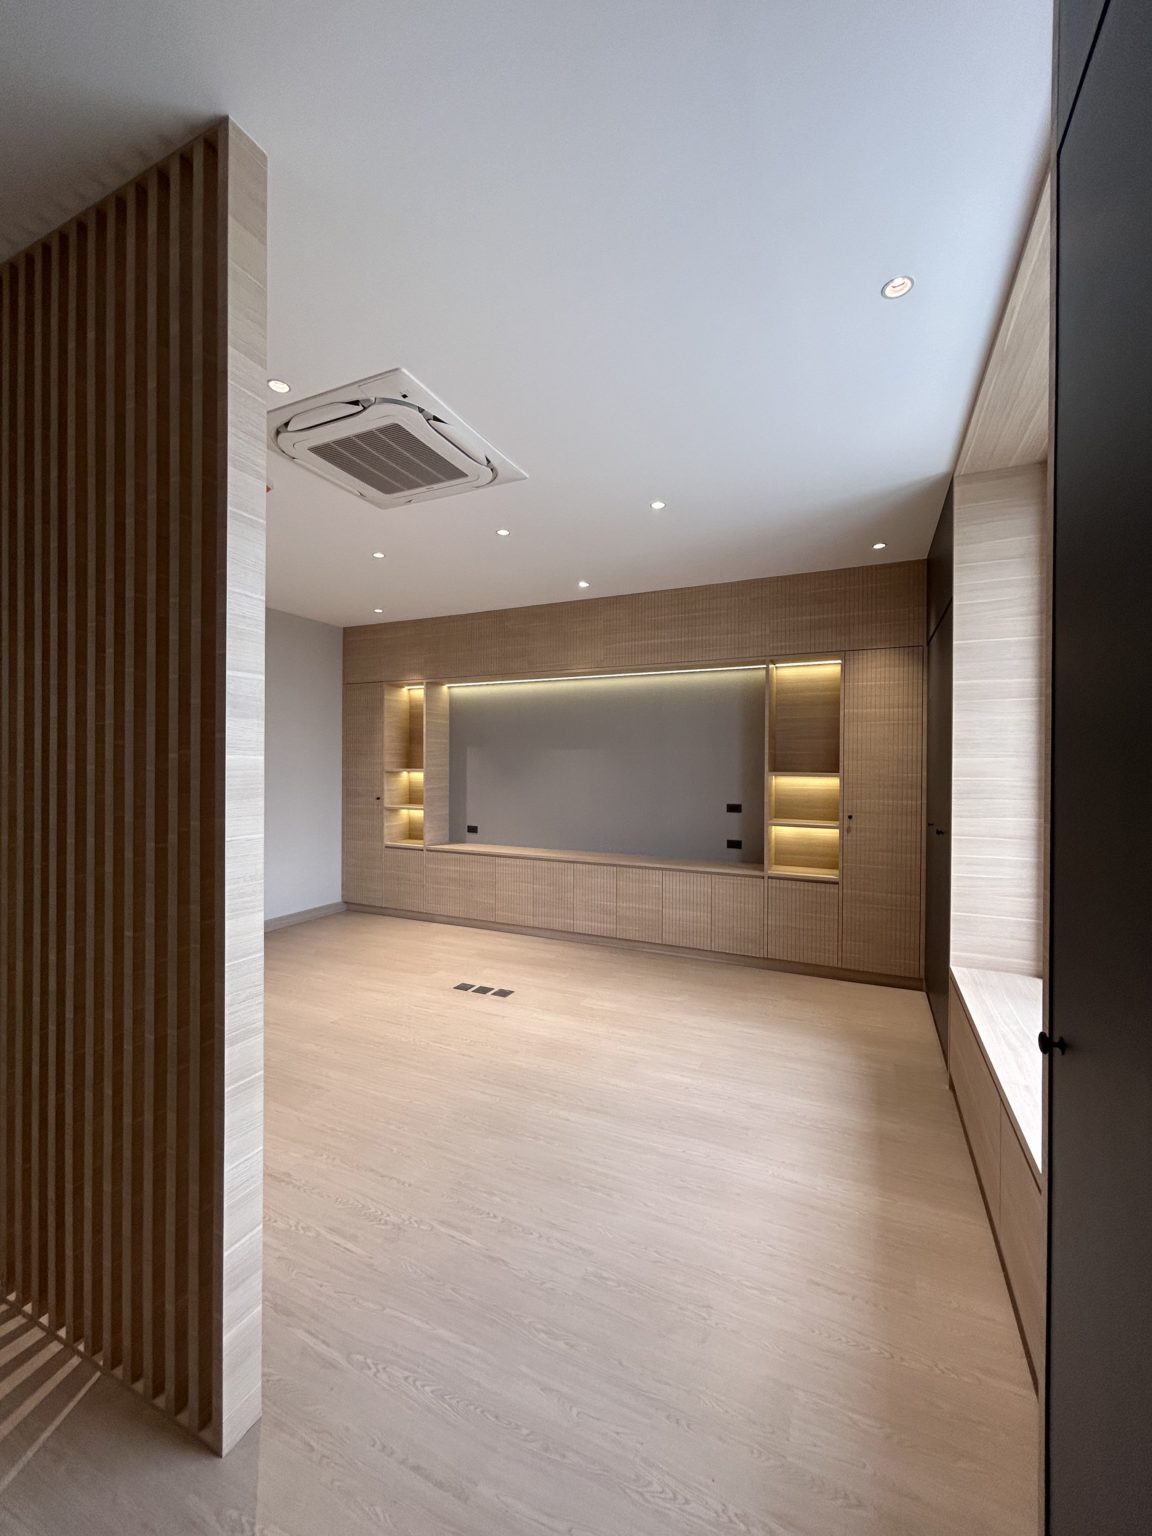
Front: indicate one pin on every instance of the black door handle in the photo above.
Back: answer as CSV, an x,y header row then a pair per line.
x,y
1046,1043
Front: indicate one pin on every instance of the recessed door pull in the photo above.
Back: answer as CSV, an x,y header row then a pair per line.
x,y
1047,1045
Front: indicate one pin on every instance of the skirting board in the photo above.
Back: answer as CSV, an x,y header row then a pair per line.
x,y
307,916
829,973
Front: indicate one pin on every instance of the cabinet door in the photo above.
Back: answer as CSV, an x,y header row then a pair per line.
x,y
803,921
460,885
738,923
687,909
534,893
363,825
881,857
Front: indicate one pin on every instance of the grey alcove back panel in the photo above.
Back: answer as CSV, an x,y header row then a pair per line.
x,y
638,765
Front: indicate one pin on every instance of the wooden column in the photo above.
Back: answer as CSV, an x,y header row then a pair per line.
x,y
131,794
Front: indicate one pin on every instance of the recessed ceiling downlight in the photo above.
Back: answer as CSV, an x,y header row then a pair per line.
x,y
657,506
278,386
377,554
581,583
503,532
897,287
879,546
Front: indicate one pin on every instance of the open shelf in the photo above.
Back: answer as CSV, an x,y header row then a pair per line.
x,y
803,811
403,766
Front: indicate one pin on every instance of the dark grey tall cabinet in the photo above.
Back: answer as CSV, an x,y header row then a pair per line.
x,y
1099,1354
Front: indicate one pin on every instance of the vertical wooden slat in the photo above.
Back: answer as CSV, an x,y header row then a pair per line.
x,y
131,664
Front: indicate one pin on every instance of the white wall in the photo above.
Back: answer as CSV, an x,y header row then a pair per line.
x,y
302,764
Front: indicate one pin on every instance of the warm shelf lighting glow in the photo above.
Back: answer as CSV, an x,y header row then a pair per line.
x,y
591,677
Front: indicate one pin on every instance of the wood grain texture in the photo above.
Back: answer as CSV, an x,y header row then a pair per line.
x,y
738,918
594,899
1009,421
435,760
866,606
363,794
797,797
132,458
803,922
1006,1012
978,1102
1000,668
639,905
1012,1186
804,718
239,1125
1022,1232
532,893
629,1253
686,909
881,854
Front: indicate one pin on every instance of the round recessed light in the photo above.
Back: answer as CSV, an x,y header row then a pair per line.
x,y
377,554
503,532
897,287
581,583
657,506
279,386
377,610
879,546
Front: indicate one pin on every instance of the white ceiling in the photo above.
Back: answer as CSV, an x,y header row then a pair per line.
x,y
637,244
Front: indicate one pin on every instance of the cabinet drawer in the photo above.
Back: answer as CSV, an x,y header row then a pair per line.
x,y
404,879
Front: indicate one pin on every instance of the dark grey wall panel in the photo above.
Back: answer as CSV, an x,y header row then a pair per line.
x,y
1099,1366
643,765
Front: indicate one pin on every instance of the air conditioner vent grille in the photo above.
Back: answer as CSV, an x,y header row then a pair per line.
x,y
390,459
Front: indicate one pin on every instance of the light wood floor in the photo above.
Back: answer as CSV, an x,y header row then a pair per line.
x,y
654,1247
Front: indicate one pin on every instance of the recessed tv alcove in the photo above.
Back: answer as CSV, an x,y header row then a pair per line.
x,y
667,765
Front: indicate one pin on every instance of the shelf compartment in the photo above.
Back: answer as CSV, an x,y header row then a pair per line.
x,y
810,851
804,798
804,707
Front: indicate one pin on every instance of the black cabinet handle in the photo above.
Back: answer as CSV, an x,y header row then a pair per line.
x,y
1046,1043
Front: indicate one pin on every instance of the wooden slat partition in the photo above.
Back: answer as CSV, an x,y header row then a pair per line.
x,y
131,796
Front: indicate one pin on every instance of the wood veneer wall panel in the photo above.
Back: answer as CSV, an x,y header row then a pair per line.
x,y
883,794
833,611
804,735
999,825
363,775
460,885
131,799
803,922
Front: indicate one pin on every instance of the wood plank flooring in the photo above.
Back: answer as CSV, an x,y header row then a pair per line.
x,y
653,1247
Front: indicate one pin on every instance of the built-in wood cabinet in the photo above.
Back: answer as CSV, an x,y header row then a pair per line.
x,y
881,862
841,884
